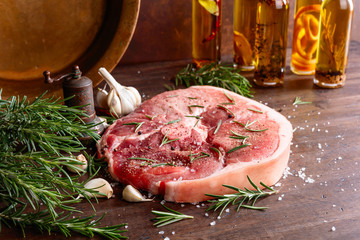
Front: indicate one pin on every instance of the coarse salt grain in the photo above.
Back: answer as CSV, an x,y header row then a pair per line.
x,y
166,238
173,232
161,232
333,229
212,223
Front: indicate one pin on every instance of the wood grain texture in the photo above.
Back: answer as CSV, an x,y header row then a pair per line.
x,y
325,148
168,23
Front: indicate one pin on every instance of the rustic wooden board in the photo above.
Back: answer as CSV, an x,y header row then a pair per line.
x,y
325,150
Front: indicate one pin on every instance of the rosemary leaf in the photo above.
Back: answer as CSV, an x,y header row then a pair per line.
x,y
237,148
173,121
218,126
298,101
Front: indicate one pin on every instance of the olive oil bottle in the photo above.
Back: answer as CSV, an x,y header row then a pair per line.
x,y
305,36
332,54
270,42
244,33
206,31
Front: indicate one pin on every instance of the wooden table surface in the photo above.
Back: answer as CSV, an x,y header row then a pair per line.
x,y
319,198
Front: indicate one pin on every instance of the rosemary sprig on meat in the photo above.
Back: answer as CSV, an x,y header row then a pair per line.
x,y
191,106
240,197
214,75
166,218
166,140
247,125
34,138
137,125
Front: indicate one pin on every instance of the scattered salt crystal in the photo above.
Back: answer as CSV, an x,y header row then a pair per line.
x,y
212,223
310,180
289,116
163,202
340,158
313,129
227,210
173,232
319,146
139,72
182,205
161,232
326,131
218,217
198,206
278,184
333,229
334,205
342,189
206,214
319,113
202,204
280,198
126,226
166,238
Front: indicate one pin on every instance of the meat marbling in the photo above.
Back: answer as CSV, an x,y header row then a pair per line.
x,y
174,145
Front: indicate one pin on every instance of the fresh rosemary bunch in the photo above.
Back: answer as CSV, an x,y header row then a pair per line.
x,y
213,74
37,139
240,197
166,218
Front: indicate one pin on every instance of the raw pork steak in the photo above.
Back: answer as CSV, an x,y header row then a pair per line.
x,y
185,143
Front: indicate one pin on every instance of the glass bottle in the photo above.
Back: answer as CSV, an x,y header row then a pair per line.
x,y
305,36
244,33
206,32
333,49
270,42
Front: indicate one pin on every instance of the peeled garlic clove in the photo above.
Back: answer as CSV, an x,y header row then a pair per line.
x,y
131,194
114,103
100,185
83,166
101,98
136,94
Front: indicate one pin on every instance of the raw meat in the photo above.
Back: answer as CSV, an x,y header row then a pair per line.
x,y
184,143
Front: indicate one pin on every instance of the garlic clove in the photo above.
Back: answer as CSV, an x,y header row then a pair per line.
x,y
100,185
101,98
136,94
131,194
114,103
83,166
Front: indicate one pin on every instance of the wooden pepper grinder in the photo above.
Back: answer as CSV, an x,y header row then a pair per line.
x,y
79,90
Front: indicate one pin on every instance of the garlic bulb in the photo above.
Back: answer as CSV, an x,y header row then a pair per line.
x,y
101,98
122,100
82,159
100,185
113,102
131,194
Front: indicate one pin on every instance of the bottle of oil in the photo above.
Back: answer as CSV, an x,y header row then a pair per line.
x,y
244,33
270,42
305,36
333,49
206,32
